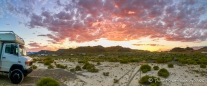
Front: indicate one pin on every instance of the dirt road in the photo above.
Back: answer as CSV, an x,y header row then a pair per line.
x,y
31,80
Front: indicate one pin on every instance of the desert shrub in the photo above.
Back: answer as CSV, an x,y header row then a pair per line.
x,y
72,69
48,61
163,72
203,61
197,71
160,60
87,65
106,73
202,66
61,66
170,65
191,62
93,70
81,61
78,68
150,80
47,81
145,68
124,61
153,84
156,68
133,59
50,66
34,66
34,60
90,67
116,80
98,63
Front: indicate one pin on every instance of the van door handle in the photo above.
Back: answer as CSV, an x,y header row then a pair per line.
x,y
3,57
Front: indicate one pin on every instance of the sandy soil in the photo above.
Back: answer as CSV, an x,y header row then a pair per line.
x,y
127,74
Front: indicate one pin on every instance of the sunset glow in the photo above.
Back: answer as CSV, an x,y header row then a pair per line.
x,y
155,25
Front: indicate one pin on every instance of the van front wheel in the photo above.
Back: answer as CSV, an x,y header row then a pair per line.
x,y
16,76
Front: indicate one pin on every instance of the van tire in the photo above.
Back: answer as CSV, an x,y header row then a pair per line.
x,y
16,76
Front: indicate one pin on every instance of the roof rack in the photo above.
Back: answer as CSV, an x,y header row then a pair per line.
x,y
11,32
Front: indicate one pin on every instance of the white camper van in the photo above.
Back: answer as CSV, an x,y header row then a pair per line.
x,y
13,59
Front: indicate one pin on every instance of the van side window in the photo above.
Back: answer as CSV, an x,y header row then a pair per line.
x,y
11,49
8,49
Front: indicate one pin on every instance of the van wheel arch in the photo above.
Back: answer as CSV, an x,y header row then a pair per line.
x,y
16,66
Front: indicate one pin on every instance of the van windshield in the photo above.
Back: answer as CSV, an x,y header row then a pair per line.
x,y
22,50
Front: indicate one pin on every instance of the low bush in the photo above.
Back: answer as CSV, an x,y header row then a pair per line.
x,y
72,70
202,66
61,66
156,68
46,63
163,72
98,63
47,81
150,80
145,68
81,61
34,60
124,61
93,70
170,65
50,66
153,84
197,71
90,67
34,66
49,59
78,68
106,73
116,81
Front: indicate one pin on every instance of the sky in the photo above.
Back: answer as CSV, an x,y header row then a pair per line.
x,y
154,25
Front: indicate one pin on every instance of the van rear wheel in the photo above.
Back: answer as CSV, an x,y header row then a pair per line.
x,y
16,76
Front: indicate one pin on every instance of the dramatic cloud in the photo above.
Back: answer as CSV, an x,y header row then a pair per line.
x,y
34,44
118,20
148,45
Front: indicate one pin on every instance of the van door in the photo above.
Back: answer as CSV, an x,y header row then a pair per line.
x,y
9,57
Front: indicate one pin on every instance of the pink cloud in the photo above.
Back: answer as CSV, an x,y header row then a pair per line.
x,y
148,45
34,44
87,20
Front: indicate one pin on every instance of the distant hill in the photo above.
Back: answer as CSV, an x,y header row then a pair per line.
x,y
96,49
112,49
203,49
178,49
90,49
45,52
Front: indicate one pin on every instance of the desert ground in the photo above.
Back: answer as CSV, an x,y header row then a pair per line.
x,y
125,74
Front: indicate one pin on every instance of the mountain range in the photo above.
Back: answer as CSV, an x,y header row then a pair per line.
x,y
112,49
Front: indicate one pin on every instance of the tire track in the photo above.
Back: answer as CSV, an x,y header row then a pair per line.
x,y
125,74
130,80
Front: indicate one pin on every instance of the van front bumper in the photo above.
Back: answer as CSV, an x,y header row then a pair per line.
x,y
28,70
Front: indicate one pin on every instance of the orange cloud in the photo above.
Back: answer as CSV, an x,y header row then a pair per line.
x,y
131,12
89,20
